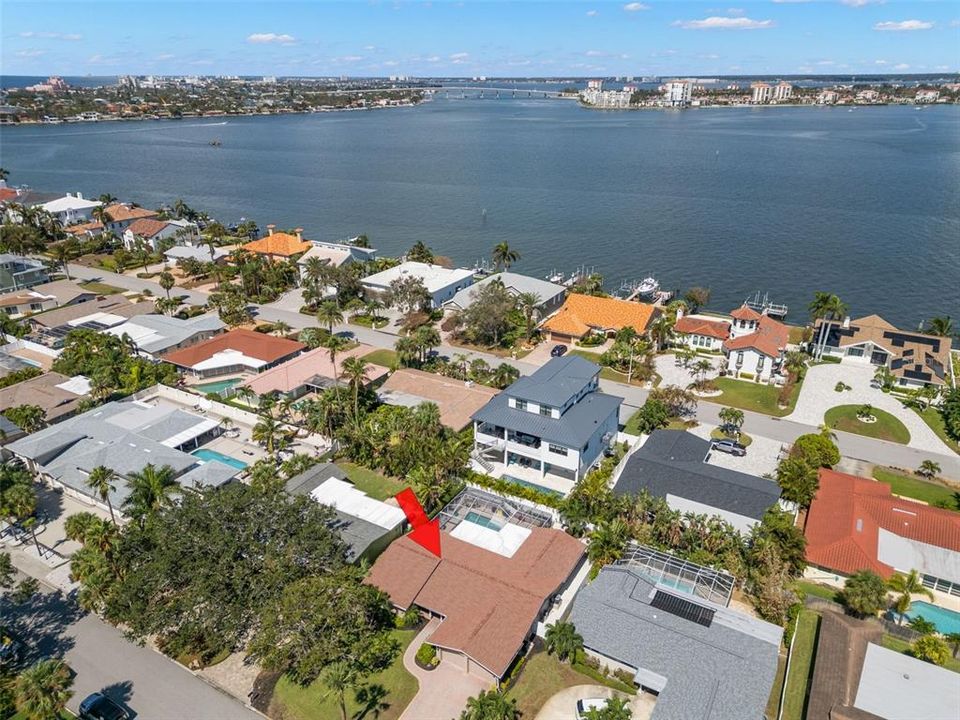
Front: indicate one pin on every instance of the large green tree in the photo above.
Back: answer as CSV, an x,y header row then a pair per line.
x,y
865,593
563,640
490,705
42,690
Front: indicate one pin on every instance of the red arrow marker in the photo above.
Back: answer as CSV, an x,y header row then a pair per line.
x,y
426,532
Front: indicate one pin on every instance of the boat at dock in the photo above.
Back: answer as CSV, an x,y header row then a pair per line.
x,y
765,306
646,289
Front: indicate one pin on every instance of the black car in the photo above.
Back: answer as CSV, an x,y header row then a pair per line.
x,y
99,707
558,350
730,446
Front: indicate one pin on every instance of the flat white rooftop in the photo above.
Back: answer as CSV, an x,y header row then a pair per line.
x,y
434,277
505,541
895,686
347,499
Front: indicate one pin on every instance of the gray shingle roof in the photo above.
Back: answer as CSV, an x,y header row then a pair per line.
x,y
167,332
556,382
723,671
671,462
313,477
572,429
515,283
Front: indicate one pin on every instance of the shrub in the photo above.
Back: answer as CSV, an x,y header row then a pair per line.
x,y
747,376
830,359
591,340
410,618
931,649
840,386
427,655
623,676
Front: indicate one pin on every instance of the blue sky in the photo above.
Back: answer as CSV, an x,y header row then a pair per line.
x,y
479,38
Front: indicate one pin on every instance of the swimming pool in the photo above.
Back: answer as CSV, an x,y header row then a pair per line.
x,y
482,520
205,454
533,486
947,621
219,387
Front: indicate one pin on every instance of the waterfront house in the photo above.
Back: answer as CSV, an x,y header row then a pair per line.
x,y
151,232
915,358
856,524
696,658
43,297
70,209
279,245
756,345
200,253
551,294
441,283
701,332
154,335
582,315
18,272
232,352
672,464
554,422
335,254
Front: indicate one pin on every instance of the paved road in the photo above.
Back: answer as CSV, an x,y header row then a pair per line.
x,y
143,680
786,431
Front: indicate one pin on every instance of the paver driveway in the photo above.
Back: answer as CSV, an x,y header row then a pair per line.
x,y
817,395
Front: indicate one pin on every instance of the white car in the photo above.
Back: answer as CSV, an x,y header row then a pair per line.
x,y
587,704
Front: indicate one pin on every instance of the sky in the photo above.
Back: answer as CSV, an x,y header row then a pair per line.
x,y
491,38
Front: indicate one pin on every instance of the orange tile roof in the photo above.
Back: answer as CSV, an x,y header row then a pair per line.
x,y
82,228
745,313
252,344
488,602
847,513
119,212
147,227
582,313
698,326
278,243
770,338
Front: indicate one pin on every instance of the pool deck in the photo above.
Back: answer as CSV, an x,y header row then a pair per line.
x,y
516,472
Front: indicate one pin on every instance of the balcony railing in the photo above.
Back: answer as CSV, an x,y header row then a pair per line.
x,y
525,440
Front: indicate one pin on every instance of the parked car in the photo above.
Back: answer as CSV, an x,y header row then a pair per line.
x,y
99,707
730,446
585,705
558,350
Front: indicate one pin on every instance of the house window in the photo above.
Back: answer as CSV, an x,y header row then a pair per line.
x,y
36,306
558,449
546,410
740,358
760,362
521,404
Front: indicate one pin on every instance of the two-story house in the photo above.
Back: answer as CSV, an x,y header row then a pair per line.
x,y
555,421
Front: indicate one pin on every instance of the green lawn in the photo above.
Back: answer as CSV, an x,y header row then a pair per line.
x,y
825,592
801,666
917,488
101,288
773,703
933,418
758,397
902,646
887,427
675,424
371,482
384,357
718,434
610,374
293,702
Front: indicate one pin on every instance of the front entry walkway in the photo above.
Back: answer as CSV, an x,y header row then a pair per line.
x,y
443,691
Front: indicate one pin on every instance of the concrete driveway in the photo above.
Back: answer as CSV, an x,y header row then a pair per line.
x,y
762,455
680,376
563,705
817,395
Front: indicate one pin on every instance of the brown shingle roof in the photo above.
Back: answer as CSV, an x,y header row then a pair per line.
x,y
119,212
489,602
43,392
112,304
770,338
252,344
147,227
456,400
581,313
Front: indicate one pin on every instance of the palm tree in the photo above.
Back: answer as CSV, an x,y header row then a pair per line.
x,y
334,345
100,481
907,585
504,256
795,363
942,326
661,330
329,314
827,308
732,416
63,253
607,542
267,432
166,281
529,304
355,371
339,677
281,329
563,640
101,214
42,690
151,490
490,705
929,469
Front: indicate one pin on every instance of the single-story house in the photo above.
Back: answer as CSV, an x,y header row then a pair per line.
x,y
490,588
9,431
915,358
126,436
154,335
335,254
701,332
18,272
57,395
367,526
672,465
44,297
756,345
441,283
279,245
581,315
551,294
71,209
151,232
856,524
456,400
312,370
235,351
701,659
200,253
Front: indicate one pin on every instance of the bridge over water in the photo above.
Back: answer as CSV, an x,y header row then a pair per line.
x,y
462,92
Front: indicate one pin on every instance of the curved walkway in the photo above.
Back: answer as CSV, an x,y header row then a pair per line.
x,y
817,395
563,705
444,691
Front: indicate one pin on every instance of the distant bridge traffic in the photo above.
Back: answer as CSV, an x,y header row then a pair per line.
x,y
495,92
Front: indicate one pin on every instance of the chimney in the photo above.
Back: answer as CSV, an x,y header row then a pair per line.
x,y
846,322
79,196
679,311
299,232
270,228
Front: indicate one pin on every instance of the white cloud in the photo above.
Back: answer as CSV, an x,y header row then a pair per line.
x,y
862,3
166,56
369,48
903,25
635,6
901,66
825,63
433,59
348,59
391,63
30,53
594,53
724,23
880,62
592,13
265,38
51,35
460,56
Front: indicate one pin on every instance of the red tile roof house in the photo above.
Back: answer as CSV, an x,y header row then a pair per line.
x,y
857,524
234,352
489,603
756,345
701,332
152,232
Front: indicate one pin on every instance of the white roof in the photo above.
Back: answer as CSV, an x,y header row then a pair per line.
x,y
197,430
226,358
894,685
434,277
78,385
69,202
505,541
106,319
197,253
347,499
